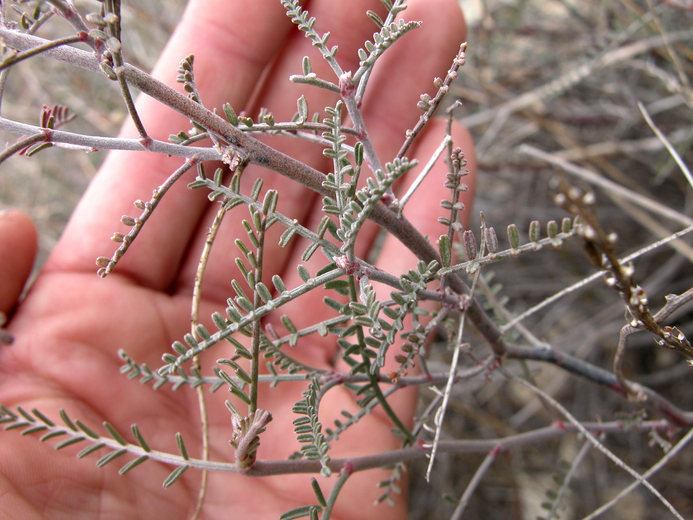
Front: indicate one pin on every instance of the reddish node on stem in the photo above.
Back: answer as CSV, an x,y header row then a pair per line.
x,y
146,142
617,388
349,267
346,85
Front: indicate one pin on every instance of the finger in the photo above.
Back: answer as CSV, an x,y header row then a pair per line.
x,y
403,73
233,42
349,27
423,208
390,109
18,246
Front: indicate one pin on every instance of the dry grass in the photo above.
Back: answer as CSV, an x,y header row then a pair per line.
x,y
516,48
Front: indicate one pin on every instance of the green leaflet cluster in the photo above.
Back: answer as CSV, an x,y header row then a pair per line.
x,y
344,190
468,248
238,321
76,432
389,33
309,430
375,190
186,77
351,206
412,282
305,24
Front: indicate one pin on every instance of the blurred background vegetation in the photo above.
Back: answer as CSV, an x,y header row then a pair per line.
x,y
519,86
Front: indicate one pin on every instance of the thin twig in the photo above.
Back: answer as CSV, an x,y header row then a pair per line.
x,y
474,483
608,186
194,320
584,450
89,143
108,264
589,279
332,498
595,442
257,302
683,77
430,106
675,155
650,472
349,96
52,44
21,145
440,414
278,467
426,170
603,377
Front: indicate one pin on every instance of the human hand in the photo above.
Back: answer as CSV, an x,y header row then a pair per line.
x,y
70,326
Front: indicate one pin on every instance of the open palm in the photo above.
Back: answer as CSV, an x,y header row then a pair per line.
x,y
70,326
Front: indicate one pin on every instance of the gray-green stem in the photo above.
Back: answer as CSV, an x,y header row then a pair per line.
x,y
257,302
263,155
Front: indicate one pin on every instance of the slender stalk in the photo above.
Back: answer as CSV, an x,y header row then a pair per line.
x,y
474,483
20,145
585,281
375,386
90,143
565,485
595,442
440,416
431,106
113,7
129,102
332,498
263,155
149,208
672,151
3,81
279,467
349,97
52,44
602,377
426,170
654,469
608,186
257,332
194,321
373,378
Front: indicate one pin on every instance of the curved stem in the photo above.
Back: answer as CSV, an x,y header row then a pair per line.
x,y
194,320
20,145
263,155
332,498
52,44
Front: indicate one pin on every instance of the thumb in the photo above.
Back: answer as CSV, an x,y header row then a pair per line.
x,y
18,246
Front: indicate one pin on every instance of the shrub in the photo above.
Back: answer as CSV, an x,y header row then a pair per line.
x,y
383,336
